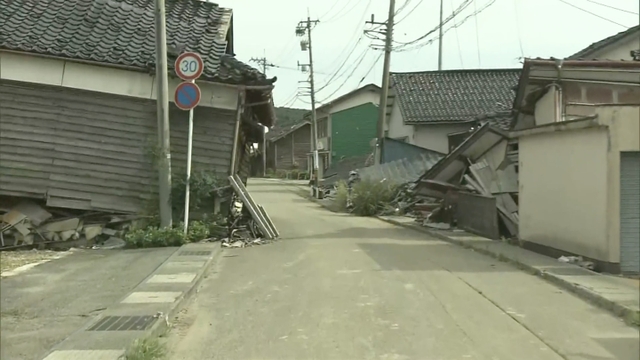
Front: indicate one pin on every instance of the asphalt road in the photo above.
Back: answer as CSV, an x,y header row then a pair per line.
x,y
41,307
340,287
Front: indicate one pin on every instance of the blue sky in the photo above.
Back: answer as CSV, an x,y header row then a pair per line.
x,y
498,37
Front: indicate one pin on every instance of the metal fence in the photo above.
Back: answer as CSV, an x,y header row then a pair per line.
x,y
400,171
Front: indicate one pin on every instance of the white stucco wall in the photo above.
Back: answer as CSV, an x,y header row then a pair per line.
x,y
569,184
620,50
435,137
545,111
48,71
395,125
349,102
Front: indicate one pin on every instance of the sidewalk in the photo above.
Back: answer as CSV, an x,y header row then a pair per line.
x,y
616,294
143,312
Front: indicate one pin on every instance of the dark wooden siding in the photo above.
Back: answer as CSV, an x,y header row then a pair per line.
x,y
88,150
292,150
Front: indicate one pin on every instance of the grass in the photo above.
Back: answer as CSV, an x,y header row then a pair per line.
x,y
146,349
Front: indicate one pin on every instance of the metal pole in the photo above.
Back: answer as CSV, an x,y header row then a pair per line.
x,y
440,35
188,183
384,94
162,101
264,152
314,121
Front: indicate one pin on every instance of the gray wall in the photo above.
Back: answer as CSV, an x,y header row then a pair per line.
x,y
478,214
87,150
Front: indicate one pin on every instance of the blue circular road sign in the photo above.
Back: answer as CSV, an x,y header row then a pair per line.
x,y
187,96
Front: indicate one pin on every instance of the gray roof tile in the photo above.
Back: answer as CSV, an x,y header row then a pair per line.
x,y
501,120
453,95
121,32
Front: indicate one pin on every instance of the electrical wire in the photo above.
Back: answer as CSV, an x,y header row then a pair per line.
x,y
370,69
517,17
348,77
613,7
455,22
460,8
592,13
430,41
328,82
475,9
330,8
342,14
409,12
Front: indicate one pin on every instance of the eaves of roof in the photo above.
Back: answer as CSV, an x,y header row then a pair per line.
x,y
591,49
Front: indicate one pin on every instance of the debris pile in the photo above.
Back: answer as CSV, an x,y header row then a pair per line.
x,y
248,221
30,225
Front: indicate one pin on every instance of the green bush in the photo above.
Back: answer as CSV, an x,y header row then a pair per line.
x,y
370,197
342,194
154,237
281,174
202,185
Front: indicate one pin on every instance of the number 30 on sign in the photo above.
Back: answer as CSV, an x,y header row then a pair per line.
x,y
189,66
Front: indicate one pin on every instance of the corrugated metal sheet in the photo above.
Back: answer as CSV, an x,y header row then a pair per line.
x,y
630,212
393,150
89,150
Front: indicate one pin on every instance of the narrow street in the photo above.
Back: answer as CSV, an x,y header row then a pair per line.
x,y
339,287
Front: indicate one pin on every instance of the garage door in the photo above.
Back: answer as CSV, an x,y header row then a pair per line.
x,y
630,212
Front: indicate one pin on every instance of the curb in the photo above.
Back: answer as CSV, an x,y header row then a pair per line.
x,y
162,324
160,327
628,314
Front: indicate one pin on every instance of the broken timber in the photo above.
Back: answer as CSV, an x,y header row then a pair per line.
x,y
259,216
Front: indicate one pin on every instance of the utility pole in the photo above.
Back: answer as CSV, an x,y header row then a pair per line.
x,y
264,63
440,35
305,27
162,102
384,94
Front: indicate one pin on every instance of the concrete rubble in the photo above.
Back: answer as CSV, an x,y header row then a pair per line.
x,y
29,225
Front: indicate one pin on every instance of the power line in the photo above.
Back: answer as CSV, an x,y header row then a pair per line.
x,y
370,69
409,12
475,9
430,41
592,13
348,77
328,82
517,17
457,36
613,7
340,15
460,8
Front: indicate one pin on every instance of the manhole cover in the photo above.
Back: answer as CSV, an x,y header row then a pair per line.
x,y
195,253
123,323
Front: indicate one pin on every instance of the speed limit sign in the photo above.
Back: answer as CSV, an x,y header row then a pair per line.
x,y
189,66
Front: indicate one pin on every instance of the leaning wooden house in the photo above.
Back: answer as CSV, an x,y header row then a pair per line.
x,y
77,99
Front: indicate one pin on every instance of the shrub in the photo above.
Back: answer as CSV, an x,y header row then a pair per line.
x,y
197,231
154,237
369,197
342,194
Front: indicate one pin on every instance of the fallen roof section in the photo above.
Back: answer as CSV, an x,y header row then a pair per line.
x,y
280,133
471,149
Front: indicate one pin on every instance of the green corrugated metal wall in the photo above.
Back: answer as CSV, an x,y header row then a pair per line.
x,y
352,130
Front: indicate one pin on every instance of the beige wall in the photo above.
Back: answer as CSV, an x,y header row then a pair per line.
x,y
545,111
356,100
570,184
434,137
562,191
621,50
47,71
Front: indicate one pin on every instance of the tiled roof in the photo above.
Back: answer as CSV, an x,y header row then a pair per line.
x,y
453,95
121,32
501,120
589,50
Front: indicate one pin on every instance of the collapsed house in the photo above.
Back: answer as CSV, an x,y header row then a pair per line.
x,y
78,111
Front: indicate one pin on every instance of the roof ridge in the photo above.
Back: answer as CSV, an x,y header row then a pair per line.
x,y
454,71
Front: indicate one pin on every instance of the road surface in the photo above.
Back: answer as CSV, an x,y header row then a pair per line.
x,y
339,287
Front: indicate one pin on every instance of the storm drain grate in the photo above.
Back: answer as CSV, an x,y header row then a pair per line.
x,y
194,253
123,323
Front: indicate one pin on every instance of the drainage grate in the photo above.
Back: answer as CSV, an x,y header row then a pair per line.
x,y
194,253
123,323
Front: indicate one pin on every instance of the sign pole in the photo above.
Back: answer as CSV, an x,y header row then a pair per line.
x,y
188,183
189,67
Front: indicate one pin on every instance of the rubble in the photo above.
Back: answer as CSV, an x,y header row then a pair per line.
x,y
28,224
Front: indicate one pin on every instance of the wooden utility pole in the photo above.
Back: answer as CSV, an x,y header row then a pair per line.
x,y
162,102
384,94
305,27
440,34
264,63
